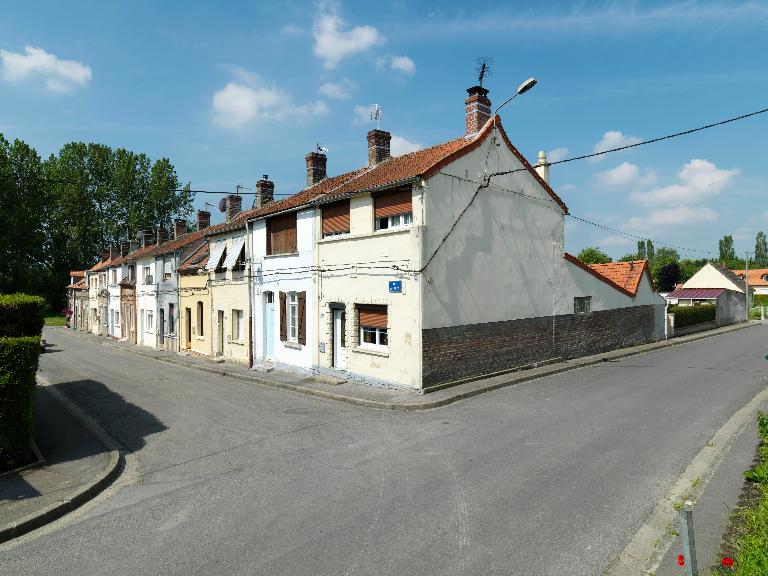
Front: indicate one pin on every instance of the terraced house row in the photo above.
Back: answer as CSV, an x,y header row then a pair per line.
x,y
415,271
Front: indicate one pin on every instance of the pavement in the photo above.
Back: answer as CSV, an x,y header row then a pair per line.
x,y
548,477
76,465
391,399
712,509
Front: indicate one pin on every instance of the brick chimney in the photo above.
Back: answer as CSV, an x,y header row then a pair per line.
x,y
104,255
125,247
478,109
147,237
378,146
316,163
265,192
203,219
133,245
233,205
114,252
162,235
179,227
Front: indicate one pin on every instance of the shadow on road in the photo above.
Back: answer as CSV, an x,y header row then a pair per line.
x,y
125,422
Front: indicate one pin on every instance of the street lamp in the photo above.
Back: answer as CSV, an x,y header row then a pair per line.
x,y
522,89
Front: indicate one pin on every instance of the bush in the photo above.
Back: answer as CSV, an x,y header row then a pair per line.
x,y
18,365
21,315
692,315
760,300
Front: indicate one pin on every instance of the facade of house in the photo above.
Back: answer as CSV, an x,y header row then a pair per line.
x,y
98,295
77,300
195,303
730,307
758,279
714,276
146,291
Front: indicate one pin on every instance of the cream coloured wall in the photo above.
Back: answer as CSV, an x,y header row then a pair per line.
x,y
370,255
193,288
711,277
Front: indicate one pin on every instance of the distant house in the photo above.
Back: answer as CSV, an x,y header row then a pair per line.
x,y
714,276
758,279
77,298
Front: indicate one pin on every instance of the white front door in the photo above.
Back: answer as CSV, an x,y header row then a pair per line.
x,y
269,325
339,344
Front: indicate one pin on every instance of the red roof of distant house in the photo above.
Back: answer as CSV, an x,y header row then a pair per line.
x,y
757,277
392,171
198,259
79,285
696,293
77,273
624,276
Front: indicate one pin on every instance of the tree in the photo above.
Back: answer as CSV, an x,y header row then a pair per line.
x,y
761,250
662,257
593,255
640,250
727,251
629,258
668,277
649,250
689,267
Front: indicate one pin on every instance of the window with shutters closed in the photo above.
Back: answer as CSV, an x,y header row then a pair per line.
x,y
393,209
336,218
373,326
281,234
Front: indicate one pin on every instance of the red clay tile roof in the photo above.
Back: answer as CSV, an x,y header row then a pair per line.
x,y
198,259
100,265
392,171
624,276
755,276
79,285
697,293
77,273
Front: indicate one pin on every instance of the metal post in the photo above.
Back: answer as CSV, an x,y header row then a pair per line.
x,y
746,283
687,538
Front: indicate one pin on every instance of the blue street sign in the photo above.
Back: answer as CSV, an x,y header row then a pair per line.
x,y
396,286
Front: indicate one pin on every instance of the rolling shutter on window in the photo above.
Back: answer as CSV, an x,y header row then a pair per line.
x,y
393,203
281,234
373,316
167,266
283,319
336,217
302,313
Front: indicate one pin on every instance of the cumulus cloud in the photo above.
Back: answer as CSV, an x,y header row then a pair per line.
x,y
338,90
698,180
59,76
557,154
402,64
613,139
400,146
334,43
362,114
625,175
675,216
249,100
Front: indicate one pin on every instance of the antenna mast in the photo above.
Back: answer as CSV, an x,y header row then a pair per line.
x,y
376,114
483,68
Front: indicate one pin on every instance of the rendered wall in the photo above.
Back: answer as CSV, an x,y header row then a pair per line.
x,y
229,291
711,277
193,288
146,299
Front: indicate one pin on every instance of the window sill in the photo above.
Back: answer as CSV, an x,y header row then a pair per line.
x,y
238,342
385,232
293,345
286,254
200,338
383,352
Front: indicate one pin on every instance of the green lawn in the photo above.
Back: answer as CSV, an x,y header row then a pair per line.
x,y
56,320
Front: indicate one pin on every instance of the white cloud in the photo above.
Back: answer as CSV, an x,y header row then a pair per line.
x,y
337,90
292,30
675,216
625,175
400,146
557,154
613,139
250,100
362,114
402,64
60,76
698,180
333,44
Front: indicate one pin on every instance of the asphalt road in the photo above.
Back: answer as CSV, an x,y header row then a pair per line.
x,y
550,477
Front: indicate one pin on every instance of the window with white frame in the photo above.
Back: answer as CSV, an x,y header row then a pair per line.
x,y
292,314
373,326
237,325
114,276
149,323
396,221
147,275
582,304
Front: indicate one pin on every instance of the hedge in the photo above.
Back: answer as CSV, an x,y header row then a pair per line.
x,y
760,300
18,365
21,315
691,315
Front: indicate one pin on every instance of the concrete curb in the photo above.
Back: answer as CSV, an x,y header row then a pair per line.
x,y
422,402
85,493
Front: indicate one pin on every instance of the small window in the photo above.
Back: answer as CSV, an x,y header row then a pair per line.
x,y
149,325
373,326
200,318
582,304
396,221
237,325
292,314
270,297
171,325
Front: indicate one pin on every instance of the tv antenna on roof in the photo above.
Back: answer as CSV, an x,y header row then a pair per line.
x,y
322,149
483,68
376,114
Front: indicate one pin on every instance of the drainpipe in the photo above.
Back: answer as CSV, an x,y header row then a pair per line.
x,y
248,275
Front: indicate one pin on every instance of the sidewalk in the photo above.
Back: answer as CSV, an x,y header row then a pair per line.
x,y
386,399
711,511
77,466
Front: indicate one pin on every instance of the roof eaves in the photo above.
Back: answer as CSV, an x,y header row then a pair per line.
x,y
573,260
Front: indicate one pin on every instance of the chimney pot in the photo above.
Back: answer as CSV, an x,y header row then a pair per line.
x,y
203,219
542,168
316,167
478,107
265,192
179,227
233,205
378,146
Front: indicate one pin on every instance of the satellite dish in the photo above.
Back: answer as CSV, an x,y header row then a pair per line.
x,y
139,235
222,205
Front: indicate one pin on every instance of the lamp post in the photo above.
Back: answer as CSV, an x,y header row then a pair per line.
x,y
522,89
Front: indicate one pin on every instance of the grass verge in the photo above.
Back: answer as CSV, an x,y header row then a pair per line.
x,y
747,537
56,320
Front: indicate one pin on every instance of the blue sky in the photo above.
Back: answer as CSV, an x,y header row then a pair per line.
x,y
231,91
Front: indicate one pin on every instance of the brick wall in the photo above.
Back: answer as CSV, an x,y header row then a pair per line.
x,y
470,351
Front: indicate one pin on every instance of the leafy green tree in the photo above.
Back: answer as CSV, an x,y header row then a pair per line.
x,y
727,251
761,250
649,250
593,255
669,276
662,257
689,267
640,250
629,258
